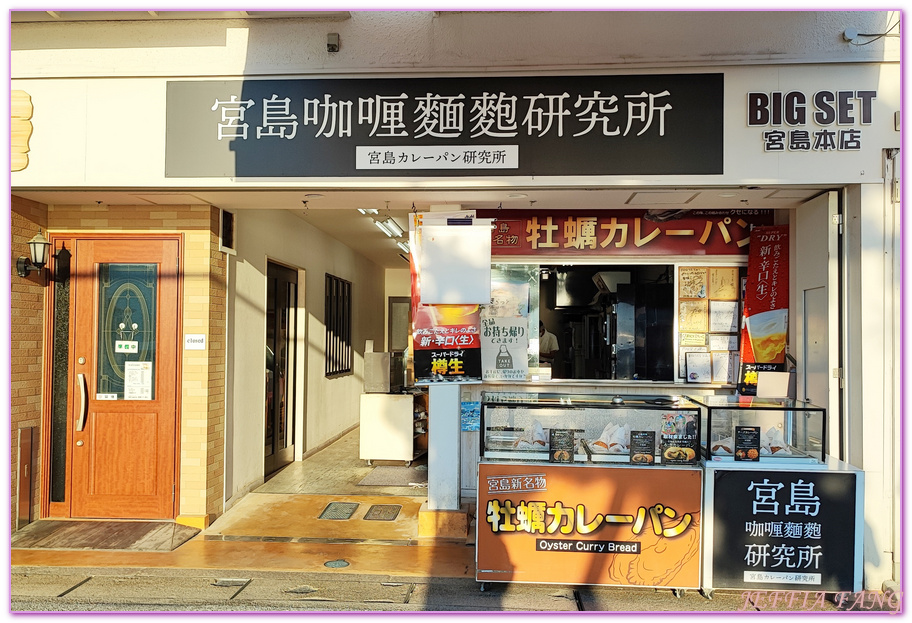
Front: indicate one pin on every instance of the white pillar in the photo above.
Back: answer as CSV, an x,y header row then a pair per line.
x,y
873,385
443,446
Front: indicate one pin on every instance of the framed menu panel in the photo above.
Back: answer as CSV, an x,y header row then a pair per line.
x,y
723,341
692,339
699,367
722,366
723,316
692,282
709,319
693,316
723,283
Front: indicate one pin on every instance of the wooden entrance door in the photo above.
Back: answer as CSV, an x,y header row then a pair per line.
x,y
124,359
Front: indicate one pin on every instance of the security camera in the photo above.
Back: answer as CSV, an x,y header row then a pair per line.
x,y
332,42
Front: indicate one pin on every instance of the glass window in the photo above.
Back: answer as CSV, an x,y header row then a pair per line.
x,y
127,297
338,321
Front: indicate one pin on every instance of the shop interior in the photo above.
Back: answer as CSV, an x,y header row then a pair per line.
x,y
611,321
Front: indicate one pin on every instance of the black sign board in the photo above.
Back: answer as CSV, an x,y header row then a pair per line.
x,y
642,447
453,365
655,124
747,443
560,445
784,530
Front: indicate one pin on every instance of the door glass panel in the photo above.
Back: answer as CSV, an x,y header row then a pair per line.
x,y
59,374
286,416
127,295
399,307
269,441
281,312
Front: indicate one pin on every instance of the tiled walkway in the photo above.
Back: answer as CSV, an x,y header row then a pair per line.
x,y
277,528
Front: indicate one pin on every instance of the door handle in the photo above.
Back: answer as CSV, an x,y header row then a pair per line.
x,y
83,402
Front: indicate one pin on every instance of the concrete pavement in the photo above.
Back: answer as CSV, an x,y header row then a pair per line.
x,y
83,589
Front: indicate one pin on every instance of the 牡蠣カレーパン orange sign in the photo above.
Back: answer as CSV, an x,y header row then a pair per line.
x,y
573,524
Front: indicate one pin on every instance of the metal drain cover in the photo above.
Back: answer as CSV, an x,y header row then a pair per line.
x,y
336,564
383,512
339,510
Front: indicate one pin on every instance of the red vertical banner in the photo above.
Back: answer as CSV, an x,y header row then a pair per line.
x,y
765,323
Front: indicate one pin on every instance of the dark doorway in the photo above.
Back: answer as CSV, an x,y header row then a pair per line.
x,y
400,317
281,330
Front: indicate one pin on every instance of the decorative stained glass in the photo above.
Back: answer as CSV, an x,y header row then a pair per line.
x,y
127,296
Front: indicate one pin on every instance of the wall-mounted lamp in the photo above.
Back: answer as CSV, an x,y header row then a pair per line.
x,y
390,227
38,255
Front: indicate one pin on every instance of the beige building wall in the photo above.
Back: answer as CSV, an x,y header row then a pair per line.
x,y
327,407
26,347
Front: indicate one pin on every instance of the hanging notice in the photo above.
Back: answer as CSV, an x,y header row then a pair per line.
x,y
138,380
763,332
504,343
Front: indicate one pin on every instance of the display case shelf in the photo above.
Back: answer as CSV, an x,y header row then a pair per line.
x,y
629,430
785,431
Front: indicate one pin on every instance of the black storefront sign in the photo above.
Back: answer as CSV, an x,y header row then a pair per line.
x,y
460,365
662,124
784,530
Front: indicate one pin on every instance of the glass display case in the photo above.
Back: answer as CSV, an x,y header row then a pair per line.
x,y
766,430
561,428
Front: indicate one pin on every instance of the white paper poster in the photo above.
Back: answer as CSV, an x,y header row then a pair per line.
x,y
455,264
138,380
699,367
722,371
508,300
504,349
723,316
682,357
723,342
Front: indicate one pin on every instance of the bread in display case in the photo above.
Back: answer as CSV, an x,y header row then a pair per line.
x,y
563,428
766,430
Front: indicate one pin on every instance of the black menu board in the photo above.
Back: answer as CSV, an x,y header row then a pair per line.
x,y
561,446
747,443
642,447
